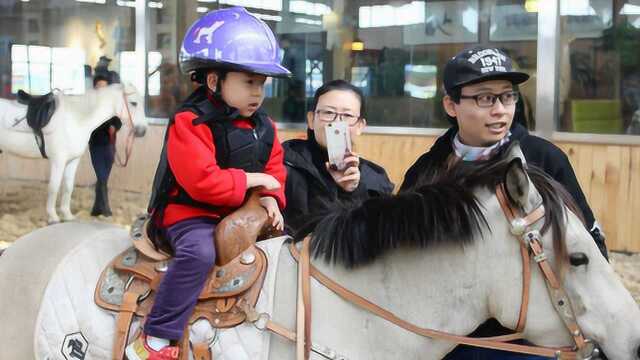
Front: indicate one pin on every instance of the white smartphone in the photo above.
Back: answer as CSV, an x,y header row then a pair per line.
x,y
338,144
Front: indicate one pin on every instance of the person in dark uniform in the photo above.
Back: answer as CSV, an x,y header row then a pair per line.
x,y
481,96
102,148
312,186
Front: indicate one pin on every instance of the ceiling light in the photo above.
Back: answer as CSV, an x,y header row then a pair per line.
x,y
357,45
531,6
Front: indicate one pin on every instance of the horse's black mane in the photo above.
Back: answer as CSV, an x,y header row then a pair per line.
x,y
443,212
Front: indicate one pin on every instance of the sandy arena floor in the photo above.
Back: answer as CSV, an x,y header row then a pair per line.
x,y
22,209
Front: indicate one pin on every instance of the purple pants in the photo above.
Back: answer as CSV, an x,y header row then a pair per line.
x,y
192,242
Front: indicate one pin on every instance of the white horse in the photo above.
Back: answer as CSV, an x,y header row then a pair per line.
x,y
66,136
443,258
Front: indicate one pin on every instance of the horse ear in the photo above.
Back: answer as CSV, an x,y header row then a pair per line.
x,y
515,152
518,186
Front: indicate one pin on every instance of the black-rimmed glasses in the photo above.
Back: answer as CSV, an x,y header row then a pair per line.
x,y
487,100
329,116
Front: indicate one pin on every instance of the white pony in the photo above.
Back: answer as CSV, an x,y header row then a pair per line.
x,y
441,258
66,136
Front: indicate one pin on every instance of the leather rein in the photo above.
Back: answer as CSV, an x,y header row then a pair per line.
x,y
130,136
530,245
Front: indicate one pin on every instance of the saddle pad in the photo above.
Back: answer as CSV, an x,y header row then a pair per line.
x,y
70,321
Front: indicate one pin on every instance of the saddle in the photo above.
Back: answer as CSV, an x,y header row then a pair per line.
x,y
40,109
128,284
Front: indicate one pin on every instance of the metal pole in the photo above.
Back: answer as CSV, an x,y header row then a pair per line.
x,y
548,69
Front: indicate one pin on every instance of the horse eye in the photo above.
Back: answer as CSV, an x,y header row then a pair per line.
x,y
134,103
579,258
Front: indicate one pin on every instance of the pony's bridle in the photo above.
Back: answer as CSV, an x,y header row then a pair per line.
x,y
130,136
530,243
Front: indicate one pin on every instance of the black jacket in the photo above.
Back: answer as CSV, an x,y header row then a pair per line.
x,y
100,136
537,151
310,189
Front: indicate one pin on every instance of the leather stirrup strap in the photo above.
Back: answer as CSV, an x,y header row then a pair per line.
x,y
125,316
184,344
201,351
359,301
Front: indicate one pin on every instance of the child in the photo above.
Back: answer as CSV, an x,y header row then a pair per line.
x,y
218,145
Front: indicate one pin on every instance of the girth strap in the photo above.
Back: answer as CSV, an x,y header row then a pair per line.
x,y
303,343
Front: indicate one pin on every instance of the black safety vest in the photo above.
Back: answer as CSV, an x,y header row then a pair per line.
x,y
246,149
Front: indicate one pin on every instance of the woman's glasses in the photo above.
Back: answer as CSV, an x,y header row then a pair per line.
x,y
329,116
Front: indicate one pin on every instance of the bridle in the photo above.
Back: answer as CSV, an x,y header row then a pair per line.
x,y
130,136
530,245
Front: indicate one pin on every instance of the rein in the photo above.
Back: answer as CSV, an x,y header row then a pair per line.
x,y
130,136
530,242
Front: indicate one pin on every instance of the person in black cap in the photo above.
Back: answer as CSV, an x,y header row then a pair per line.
x,y
481,92
102,70
102,150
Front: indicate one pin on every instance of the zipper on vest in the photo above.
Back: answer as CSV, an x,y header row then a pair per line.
x,y
255,134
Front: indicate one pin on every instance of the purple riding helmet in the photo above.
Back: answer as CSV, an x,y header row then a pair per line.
x,y
231,39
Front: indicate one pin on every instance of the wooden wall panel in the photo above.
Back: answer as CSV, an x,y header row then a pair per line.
x,y
608,174
632,241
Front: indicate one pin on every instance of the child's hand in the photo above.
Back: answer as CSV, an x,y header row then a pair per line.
x,y
261,179
349,178
271,205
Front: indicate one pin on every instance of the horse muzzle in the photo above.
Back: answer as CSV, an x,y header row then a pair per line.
x,y
140,131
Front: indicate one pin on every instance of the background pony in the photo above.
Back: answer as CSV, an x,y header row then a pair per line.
x,y
66,136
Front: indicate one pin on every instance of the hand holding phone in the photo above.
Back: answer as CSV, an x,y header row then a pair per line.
x,y
338,144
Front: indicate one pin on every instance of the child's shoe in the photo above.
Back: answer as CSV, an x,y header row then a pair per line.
x,y
140,350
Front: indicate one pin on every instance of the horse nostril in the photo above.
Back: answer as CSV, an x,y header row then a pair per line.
x,y
638,352
140,131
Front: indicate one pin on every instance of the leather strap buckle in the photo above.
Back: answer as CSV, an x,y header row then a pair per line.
x,y
590,350
142,296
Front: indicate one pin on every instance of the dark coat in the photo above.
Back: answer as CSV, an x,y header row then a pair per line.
x,y
100,136
310,189
537,151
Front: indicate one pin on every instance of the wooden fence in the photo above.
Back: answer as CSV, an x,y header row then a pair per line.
x,y
608,174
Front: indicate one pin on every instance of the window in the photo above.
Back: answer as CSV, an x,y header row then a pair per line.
x,y
39,69
394,51
46,45
599,85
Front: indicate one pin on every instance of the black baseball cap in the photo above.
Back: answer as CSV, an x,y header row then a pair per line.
x,y
480,64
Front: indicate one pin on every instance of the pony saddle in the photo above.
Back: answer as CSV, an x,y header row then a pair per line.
x,y
128,284
40,109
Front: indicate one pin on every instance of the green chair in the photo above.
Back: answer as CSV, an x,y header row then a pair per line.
x,y
598,116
